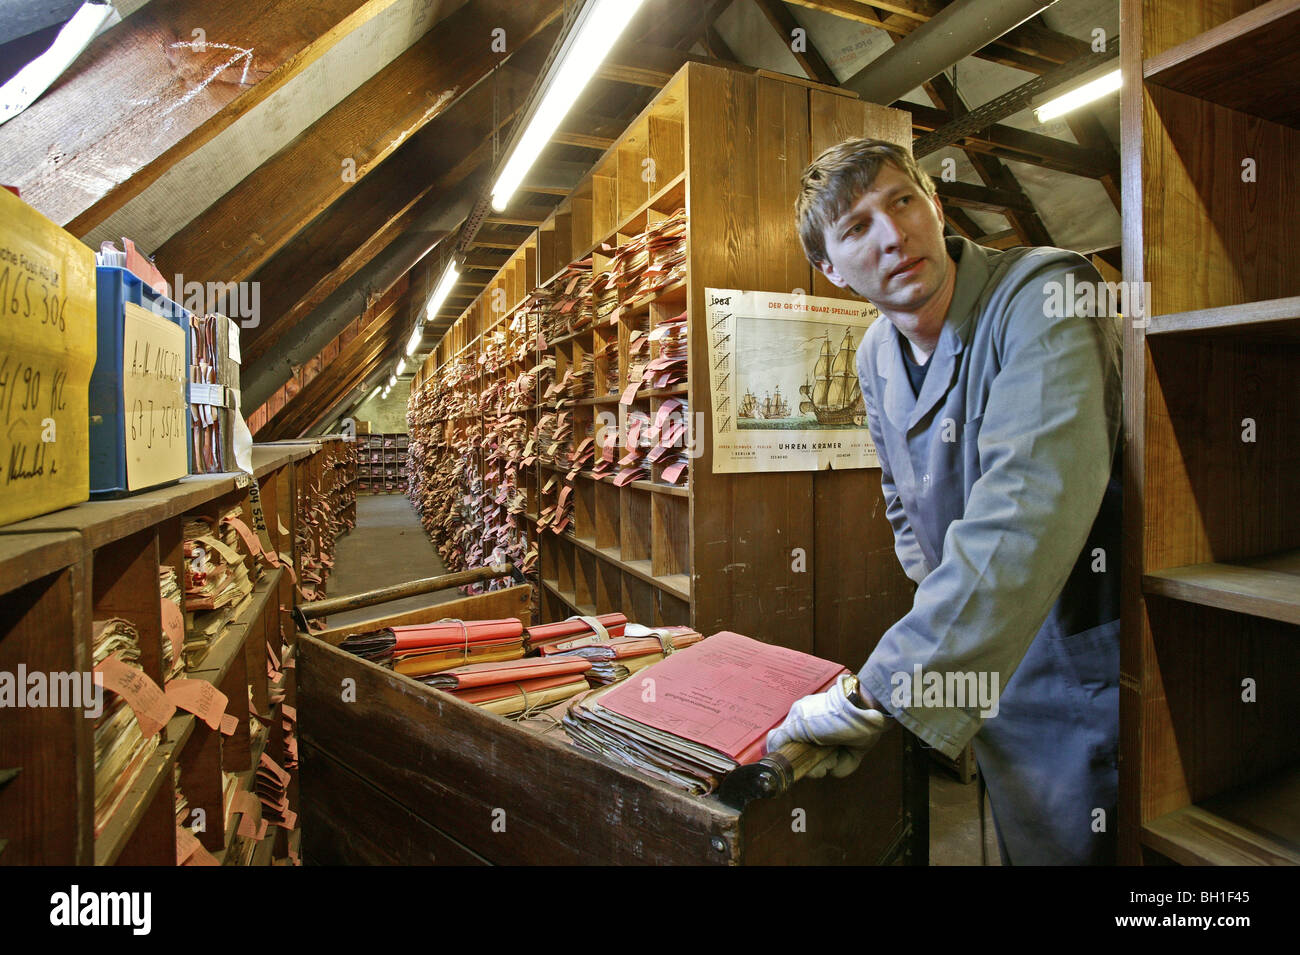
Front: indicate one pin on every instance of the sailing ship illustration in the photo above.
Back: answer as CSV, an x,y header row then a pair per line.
x,y
770,407
832,395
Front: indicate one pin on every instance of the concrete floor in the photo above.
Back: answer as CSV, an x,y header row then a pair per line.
x,y
389,546
955,821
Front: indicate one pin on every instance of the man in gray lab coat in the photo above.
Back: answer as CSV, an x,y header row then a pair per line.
x,y
995,409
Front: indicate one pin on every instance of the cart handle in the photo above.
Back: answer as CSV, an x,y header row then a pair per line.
x,y
411,588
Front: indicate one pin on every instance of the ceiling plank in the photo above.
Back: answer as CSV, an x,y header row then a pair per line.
x,y
144,96
344,145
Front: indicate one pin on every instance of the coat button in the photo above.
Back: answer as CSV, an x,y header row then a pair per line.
x,y
925,481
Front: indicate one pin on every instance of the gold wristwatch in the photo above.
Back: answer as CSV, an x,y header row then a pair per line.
x,y
853,691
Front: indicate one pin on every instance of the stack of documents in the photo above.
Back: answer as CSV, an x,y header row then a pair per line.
x,y
668,368
429,648
121,749
638,648
512,687
700,712
670,431
632,466
218,587
653,260
575,632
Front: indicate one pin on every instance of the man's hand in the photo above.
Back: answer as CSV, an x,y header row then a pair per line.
x,y
831,719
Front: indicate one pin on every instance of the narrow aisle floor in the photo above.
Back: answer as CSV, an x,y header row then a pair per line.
x,y
388,546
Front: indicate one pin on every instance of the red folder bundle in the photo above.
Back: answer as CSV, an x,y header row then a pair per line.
x,y
512,687
698,714
622,656
575,632
430,647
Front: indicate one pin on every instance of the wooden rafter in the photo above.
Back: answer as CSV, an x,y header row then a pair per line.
x,y
806,55
383,206
983,198
145,95
344,145
1027,223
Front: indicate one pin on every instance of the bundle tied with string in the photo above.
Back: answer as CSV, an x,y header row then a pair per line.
x,y
422,649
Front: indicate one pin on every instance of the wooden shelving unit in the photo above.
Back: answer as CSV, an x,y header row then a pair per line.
x,y
1211,126
728,147
61,571
382,463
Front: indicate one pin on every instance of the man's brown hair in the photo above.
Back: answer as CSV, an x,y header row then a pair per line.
x,y
835,179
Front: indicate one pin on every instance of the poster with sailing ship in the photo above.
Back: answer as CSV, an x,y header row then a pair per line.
x,y
784,383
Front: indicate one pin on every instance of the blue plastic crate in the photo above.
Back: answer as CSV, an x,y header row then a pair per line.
x,y
108,414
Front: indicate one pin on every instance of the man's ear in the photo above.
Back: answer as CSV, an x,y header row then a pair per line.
x,y
938,206
829,271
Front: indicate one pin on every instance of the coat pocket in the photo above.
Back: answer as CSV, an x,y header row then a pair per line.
x,y
1091,657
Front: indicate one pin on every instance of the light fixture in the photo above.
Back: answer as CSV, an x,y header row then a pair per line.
x,y
445,285
596,28
401,365
414,341
378,389
1085,88
392,381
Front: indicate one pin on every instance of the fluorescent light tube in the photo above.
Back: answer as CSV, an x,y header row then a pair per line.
x,y
445,285
600,24
1093,89
414,343
401,365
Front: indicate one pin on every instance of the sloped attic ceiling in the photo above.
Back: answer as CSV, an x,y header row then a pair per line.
x,y
329,150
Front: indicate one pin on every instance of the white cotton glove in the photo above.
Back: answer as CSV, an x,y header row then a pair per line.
x,y
830,719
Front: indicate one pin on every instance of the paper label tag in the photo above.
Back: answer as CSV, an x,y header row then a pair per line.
x,y
229,724
153,398
233,336
200,698
207,393
143,695
173,624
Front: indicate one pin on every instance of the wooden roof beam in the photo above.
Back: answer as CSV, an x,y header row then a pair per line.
x,y
784,24
968,196
364,129
142,97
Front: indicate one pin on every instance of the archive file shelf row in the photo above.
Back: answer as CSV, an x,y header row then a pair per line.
x,y
100,561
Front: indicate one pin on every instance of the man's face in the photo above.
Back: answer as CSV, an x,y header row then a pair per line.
x,y
888,247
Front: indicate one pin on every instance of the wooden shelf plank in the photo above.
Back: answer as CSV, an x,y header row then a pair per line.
x,y
27,557
102,522
1277,317
1262,587
1248,64
569,598
1256,825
